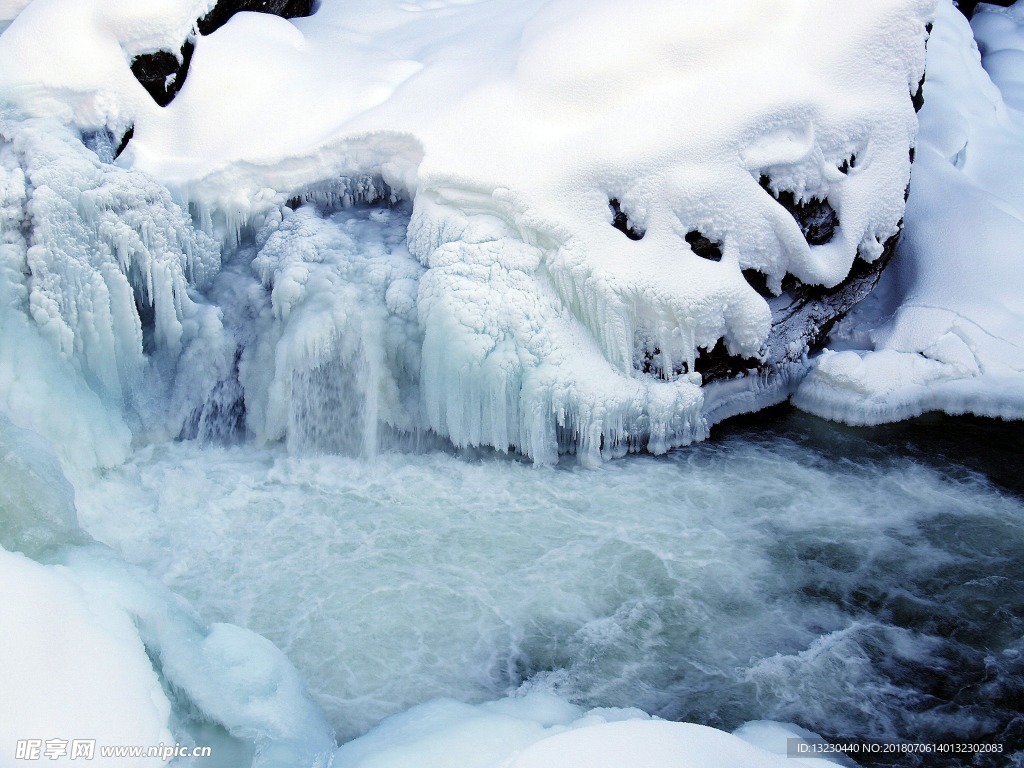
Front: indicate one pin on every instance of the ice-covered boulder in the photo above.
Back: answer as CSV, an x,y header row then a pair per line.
x,y
541,730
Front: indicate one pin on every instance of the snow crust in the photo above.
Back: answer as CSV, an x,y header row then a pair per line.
x,y
942,331
543,327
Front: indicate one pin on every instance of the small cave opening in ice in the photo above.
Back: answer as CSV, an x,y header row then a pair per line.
x,y
758,281
817,219
713,364
621,221
717,363
704,246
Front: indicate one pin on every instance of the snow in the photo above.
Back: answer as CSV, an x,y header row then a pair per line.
x,y
540,730
79,668
394,217
942,332
96,650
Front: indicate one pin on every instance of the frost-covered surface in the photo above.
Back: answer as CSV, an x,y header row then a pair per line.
x,y
943,332
543,327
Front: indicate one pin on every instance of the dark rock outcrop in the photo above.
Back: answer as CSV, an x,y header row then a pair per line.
x,y
225,9
802,317
163,73
967,7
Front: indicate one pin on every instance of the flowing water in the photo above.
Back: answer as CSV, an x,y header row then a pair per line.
x,y
861,583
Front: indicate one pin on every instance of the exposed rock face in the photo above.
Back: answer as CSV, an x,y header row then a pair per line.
x,y
163,73
225,9
968,6
802,316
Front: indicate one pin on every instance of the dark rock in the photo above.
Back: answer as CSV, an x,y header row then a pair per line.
x,y
967,7
817,218
918,97
704,246
802,317
621,221
225,9
124,141
163,73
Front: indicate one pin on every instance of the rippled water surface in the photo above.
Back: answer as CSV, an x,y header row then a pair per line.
x,y
864,584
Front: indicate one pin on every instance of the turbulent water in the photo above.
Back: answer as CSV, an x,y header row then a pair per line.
x,y
861,584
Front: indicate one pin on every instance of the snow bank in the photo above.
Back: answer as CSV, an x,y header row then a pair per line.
x,y
557,193
540,730
70,60
79,668
97,651
944,326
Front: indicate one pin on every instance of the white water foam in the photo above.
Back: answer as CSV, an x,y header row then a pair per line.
x,y
732,582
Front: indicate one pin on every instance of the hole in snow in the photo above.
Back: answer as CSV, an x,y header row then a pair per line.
x,y
719,364
848,164
758,281
816,218
621,221
704,246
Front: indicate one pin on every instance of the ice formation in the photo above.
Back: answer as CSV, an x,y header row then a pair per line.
x,y
107,266
943,330
594,231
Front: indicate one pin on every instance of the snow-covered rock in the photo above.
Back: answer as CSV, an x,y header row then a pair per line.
x,y
943,332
